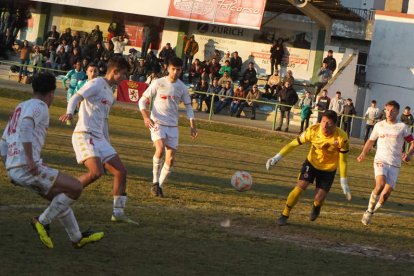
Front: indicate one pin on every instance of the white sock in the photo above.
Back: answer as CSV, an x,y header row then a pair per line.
x,y
156,168
119,205
377,206
68,220
372,200
165,172
59,204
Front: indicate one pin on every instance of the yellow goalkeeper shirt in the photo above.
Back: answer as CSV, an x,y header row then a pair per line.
x,y
324,151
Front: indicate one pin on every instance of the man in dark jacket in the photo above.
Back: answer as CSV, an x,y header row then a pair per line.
x,y
235,64
249,77
331,61
276,55
287,96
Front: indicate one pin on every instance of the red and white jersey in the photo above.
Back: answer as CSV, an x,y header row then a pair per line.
x,y
36,110
98,99
166,97
390,141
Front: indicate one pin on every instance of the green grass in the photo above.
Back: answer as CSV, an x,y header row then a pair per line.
x,y
182,233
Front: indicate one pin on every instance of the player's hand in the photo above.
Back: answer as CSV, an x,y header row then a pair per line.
x,y
361,157
193,132
406,157
149,123
32,167
345,188
273,161
66,117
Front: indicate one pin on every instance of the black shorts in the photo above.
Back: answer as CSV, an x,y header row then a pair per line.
x,y
324,179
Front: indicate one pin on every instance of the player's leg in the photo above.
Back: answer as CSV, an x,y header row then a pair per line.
x,y
324,181
157,163
380,181
95,171
171,144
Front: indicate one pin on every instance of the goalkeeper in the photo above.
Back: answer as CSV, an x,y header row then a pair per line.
x,y
329,146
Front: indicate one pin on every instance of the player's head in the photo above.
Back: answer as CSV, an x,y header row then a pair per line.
x,y
338,94
78,65
407,110
117,69
175,67
328,122
392,108
324,92
44,86
92,71
373,103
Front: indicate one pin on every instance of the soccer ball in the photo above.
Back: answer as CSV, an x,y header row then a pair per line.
x,y
242,181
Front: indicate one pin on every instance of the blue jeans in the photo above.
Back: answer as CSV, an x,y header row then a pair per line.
x,y
187,59
23,62
234,106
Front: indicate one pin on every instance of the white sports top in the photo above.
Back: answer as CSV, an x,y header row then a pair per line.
x,y
390,141
166,97
97,101
36,110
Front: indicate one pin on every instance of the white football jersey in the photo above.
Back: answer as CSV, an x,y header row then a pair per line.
x,y
39,112
98,99
166,97
390,141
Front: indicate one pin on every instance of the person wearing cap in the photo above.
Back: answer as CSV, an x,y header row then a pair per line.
x,y
190,49
166,53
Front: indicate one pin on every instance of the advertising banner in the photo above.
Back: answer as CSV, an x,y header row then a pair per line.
x,y
130,91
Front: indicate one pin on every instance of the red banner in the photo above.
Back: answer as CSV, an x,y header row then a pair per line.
x,y
241,13
130,91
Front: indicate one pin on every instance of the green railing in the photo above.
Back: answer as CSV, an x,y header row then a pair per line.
x,y
32,66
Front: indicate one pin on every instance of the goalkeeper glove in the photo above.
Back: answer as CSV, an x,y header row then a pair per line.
x,y
272,161
345,188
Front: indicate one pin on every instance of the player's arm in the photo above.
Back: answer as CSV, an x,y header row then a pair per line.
x,y
26,135
144,103
190,113
3,145
284,151
72,105
367,147
409,139
343,173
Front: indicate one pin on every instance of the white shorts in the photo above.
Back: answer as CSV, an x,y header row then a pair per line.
x,y
87,146
40,184
390,172
169,134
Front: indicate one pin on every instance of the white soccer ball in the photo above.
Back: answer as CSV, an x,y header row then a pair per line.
x,y
242,181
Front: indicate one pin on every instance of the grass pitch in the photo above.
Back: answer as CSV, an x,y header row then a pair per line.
x,y
203,226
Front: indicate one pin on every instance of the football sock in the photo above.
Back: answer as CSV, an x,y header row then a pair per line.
x,y
156,168
377,206
292,200
317,203
68,220
59,204
119,205
372,200
166,170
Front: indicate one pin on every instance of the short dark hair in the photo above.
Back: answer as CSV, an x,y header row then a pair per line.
x,y
330,114
43,83
338,92
330,51
175,61
91,64
117,62
408,108
393,104
374,101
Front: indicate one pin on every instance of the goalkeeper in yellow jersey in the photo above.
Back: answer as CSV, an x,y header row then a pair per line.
x,y
329,146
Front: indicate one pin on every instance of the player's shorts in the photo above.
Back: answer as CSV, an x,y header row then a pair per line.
x,y
40,184
168,133
87,146
324,179
390,172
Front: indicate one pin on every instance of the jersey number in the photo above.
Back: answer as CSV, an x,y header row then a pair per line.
x,y
13,121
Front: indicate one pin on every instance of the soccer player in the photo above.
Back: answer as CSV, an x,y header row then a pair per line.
x,y
21,144
166,94
329,144
90,138
390,135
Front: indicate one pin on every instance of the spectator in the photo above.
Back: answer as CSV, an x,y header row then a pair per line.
x,y
322,104
51,57
153,76
24,52
5,20
67,36
216,54
164,70
74,45
18,22
52,37
132,65
62,60
9,40
225,95
213,69
195,71
74,57
190,49
287,97
225,68
151,62
273,83
166,53
235,104
235,64
330,61
325,74
76,37
225,57
225,78
213,88
36,59
276,55
119,45
149,34
140,72
202,86
252,96
63,44
348,112
249,77
95,37
408,119
337,105
74,76
97,53
289,78
371,116
306,105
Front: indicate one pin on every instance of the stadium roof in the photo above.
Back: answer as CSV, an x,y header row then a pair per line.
x,y
332,8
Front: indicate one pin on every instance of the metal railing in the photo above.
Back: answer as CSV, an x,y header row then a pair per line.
x,y
41,68
363,13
